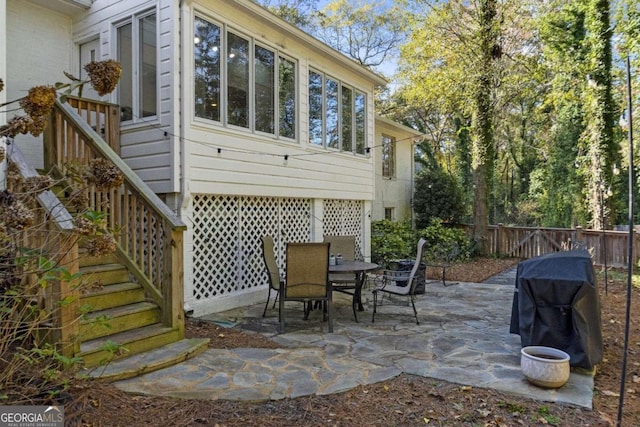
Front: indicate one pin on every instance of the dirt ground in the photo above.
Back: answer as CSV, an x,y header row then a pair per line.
x,y
403,401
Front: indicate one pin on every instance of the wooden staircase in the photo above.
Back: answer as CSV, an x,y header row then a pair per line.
x,y
130,303
120,320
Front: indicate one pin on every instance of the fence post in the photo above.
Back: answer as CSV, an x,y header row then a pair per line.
x,y
499,240
578,235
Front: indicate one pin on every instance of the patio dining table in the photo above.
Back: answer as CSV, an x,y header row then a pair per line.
x,y
359,270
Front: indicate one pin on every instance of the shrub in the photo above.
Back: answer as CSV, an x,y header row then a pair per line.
x,y
438,195
445,243
391,240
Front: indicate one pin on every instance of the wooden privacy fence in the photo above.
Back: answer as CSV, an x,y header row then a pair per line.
x,y
529,242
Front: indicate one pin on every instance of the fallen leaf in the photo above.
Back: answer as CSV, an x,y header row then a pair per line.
x,y
466,388
610,393
484,412
426,420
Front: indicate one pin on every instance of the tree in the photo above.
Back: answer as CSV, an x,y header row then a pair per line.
x,y
367,31
482,121
452,63
600,110
437,195
296,12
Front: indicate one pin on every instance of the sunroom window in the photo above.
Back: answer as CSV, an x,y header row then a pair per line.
x,y
256,84
337,114
207,41
137,54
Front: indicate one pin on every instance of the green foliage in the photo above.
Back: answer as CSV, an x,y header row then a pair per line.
x,y
548,417
391,241
437,195
28,302
445,243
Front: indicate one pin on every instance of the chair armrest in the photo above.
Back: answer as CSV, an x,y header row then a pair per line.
x,y
396,274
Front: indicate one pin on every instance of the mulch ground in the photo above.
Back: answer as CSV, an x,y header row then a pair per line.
x,y
403,401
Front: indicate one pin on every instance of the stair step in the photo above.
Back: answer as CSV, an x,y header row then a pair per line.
x,y
107,274
149,361
113,296
87,260
135,341
118,319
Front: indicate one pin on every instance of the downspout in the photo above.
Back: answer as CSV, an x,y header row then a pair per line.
x,y
183,199
413,178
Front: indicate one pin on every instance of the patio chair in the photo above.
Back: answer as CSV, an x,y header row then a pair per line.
x,y
392,281
273,272
307,278
442,257
343,282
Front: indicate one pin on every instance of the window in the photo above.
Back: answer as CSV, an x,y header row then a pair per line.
x,y
287,98
256,84
137,54
337,115
265,89
316,118
237,80
207,41
388,157
388,214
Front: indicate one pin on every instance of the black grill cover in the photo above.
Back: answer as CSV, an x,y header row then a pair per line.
x,y
556,304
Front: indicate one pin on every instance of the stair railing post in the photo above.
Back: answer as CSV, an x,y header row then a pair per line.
x,y
63,297
172,280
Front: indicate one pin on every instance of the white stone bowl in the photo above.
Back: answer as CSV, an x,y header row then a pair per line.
x,y
545,366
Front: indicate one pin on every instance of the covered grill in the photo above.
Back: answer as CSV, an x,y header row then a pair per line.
x,y
556,304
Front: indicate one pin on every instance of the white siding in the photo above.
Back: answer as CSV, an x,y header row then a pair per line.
x,y
3,54
250,164
39,49
396,192
144,145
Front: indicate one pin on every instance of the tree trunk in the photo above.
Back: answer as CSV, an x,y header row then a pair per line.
x,y
600,111
482,126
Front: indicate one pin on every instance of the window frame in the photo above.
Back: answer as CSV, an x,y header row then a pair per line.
x,y
390,213
276,99
389,156
137,74
354,127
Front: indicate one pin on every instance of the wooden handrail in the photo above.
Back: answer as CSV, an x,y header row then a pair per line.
x,y
139,186
54,235
103,117
149,236
48,201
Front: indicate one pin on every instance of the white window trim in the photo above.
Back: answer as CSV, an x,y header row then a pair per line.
x,y
355,90
253,42
134,20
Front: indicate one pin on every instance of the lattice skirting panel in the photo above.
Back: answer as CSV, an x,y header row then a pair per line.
x,y
344,218
227,257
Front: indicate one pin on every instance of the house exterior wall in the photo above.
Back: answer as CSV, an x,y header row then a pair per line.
x,y
319,173
224,164
38,49
395,192
221,177
149,145
3,54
